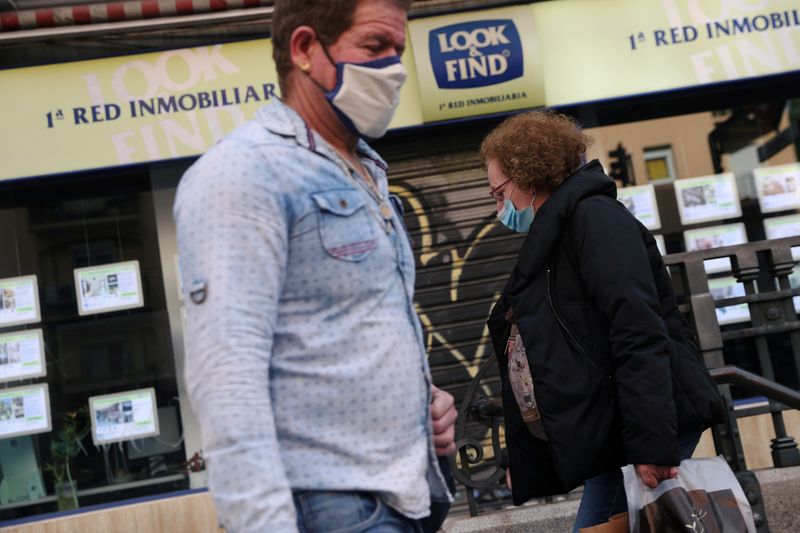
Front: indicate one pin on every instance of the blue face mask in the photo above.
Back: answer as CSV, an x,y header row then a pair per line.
x,y
519,221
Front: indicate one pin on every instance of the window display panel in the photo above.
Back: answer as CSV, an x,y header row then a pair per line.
x,y
715,237
728,287
123,416
794,281
109,288
22,355
19,301
24,411
22,477
778,187
707,198
167,441
641,202
781,227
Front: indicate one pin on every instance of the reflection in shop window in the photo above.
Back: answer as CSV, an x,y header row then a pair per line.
x,y
660,163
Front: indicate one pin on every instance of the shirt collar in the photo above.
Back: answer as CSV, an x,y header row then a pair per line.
x,y
282,120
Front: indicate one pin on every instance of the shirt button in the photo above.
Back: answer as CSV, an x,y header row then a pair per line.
x,y
343,203
198,291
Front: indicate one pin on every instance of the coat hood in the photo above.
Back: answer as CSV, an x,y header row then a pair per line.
x,y
588,180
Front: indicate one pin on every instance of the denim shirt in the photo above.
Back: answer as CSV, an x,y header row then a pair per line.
x,y
305,360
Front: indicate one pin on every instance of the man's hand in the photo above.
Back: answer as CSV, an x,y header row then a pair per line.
x,y
443,413
652,475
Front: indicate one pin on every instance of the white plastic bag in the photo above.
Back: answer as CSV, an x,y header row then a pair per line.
x,y
705,498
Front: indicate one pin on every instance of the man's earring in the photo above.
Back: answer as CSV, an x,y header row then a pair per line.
x,y
305,67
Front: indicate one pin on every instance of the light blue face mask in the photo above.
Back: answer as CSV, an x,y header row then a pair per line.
x,y
519,221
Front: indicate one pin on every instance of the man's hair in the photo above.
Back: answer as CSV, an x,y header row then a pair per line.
x,y
537,149
329,18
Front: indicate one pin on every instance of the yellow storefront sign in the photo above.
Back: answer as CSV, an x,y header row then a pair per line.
x,y
477,63
600,49
131,109
175,104
136,109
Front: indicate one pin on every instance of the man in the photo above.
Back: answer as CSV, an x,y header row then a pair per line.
x,y
305,359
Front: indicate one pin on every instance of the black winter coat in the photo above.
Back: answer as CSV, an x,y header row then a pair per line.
x,y
617,374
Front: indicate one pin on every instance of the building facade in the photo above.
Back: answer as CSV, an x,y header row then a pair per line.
x,y
692,105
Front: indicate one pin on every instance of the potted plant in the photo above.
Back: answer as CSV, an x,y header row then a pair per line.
x,y
65,446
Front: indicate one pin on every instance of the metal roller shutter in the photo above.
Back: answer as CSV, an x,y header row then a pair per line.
x,y
463,257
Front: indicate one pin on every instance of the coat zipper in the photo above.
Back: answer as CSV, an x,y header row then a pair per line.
x,y
570,335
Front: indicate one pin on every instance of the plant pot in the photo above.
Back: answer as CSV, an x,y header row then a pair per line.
x,y
66,495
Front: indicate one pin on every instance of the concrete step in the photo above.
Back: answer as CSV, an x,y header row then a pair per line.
x,y
780,488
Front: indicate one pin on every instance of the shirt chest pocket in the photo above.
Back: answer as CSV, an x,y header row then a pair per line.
x,y
345,228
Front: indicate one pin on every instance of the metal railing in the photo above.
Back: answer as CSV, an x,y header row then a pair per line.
x,y
764,269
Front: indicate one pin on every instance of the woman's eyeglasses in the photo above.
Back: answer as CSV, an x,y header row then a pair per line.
x,y
497,192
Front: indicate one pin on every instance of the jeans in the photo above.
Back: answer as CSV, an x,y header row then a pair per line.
x,y
604,495
348,512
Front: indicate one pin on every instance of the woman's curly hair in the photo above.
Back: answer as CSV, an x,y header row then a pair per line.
x,y
537,149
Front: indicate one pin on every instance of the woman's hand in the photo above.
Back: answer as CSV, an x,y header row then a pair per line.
x,y
652,475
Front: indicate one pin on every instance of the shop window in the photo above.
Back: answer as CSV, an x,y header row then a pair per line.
x,y
86,250
660,164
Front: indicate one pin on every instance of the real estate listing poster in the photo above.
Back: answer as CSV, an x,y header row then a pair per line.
x,y
715,237
106,288
778,188
124,416
19,301
707,198
728,287
24,411
22,355
781,227
641,202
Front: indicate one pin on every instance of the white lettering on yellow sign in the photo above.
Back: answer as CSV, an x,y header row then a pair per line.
x,y
177,134
479,38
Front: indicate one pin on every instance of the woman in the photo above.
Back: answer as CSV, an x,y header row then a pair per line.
x,y
589,311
